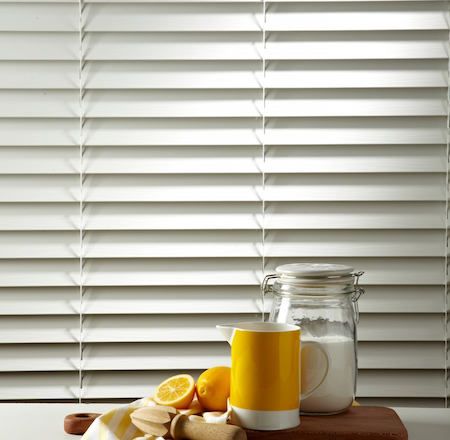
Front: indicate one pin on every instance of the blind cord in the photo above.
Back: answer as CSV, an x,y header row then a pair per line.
x,y
263,206
447,248
80,105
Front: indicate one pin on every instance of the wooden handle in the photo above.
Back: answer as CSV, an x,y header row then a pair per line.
x,y
182,428
79,423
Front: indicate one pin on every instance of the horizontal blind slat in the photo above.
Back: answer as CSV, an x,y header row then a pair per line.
x,y
404,355
122,385
57,17
248,46
34,75
222,244
402,299
401,383
395,327
194,327
156,300
343,50
151,272
39,386
247,75
355,74
127,356
351,108
163,18
54,160
248,17
318,16
425,189
39,104
158,46
230,131
354,215
231,216
34,46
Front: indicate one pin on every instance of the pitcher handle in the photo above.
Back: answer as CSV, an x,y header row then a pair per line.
x,y
328,360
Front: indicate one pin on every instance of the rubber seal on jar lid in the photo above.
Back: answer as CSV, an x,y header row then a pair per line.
x,y
315,270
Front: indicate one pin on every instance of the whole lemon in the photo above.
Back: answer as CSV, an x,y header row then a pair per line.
x,y
213,388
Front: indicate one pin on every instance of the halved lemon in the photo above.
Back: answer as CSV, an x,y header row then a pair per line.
x,y
177,391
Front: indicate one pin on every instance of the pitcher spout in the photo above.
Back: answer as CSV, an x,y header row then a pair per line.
x,y
227,331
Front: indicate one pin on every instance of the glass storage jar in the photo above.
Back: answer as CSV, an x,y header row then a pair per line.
x,y
322,300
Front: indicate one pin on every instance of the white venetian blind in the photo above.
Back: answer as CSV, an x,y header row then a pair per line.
x,y
148,147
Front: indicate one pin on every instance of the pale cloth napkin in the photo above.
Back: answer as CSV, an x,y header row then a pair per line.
x,y
116,423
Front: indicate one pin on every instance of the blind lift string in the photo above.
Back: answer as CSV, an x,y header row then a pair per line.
x,y
80,108
447,248
263,155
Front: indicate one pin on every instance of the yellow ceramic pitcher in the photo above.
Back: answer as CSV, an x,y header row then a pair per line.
x,y
265,374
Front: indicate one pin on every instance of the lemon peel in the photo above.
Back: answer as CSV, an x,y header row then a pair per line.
x,y
217,416
194,408
195,418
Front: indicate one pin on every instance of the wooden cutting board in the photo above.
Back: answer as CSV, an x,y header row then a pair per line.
x,y
358,423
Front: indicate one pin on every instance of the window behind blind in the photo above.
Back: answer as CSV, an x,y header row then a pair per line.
x,y
158,158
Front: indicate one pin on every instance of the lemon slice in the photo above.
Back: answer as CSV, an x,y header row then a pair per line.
x,y
177,391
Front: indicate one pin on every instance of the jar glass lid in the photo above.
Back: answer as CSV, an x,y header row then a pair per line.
x,y
315,270
315,273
